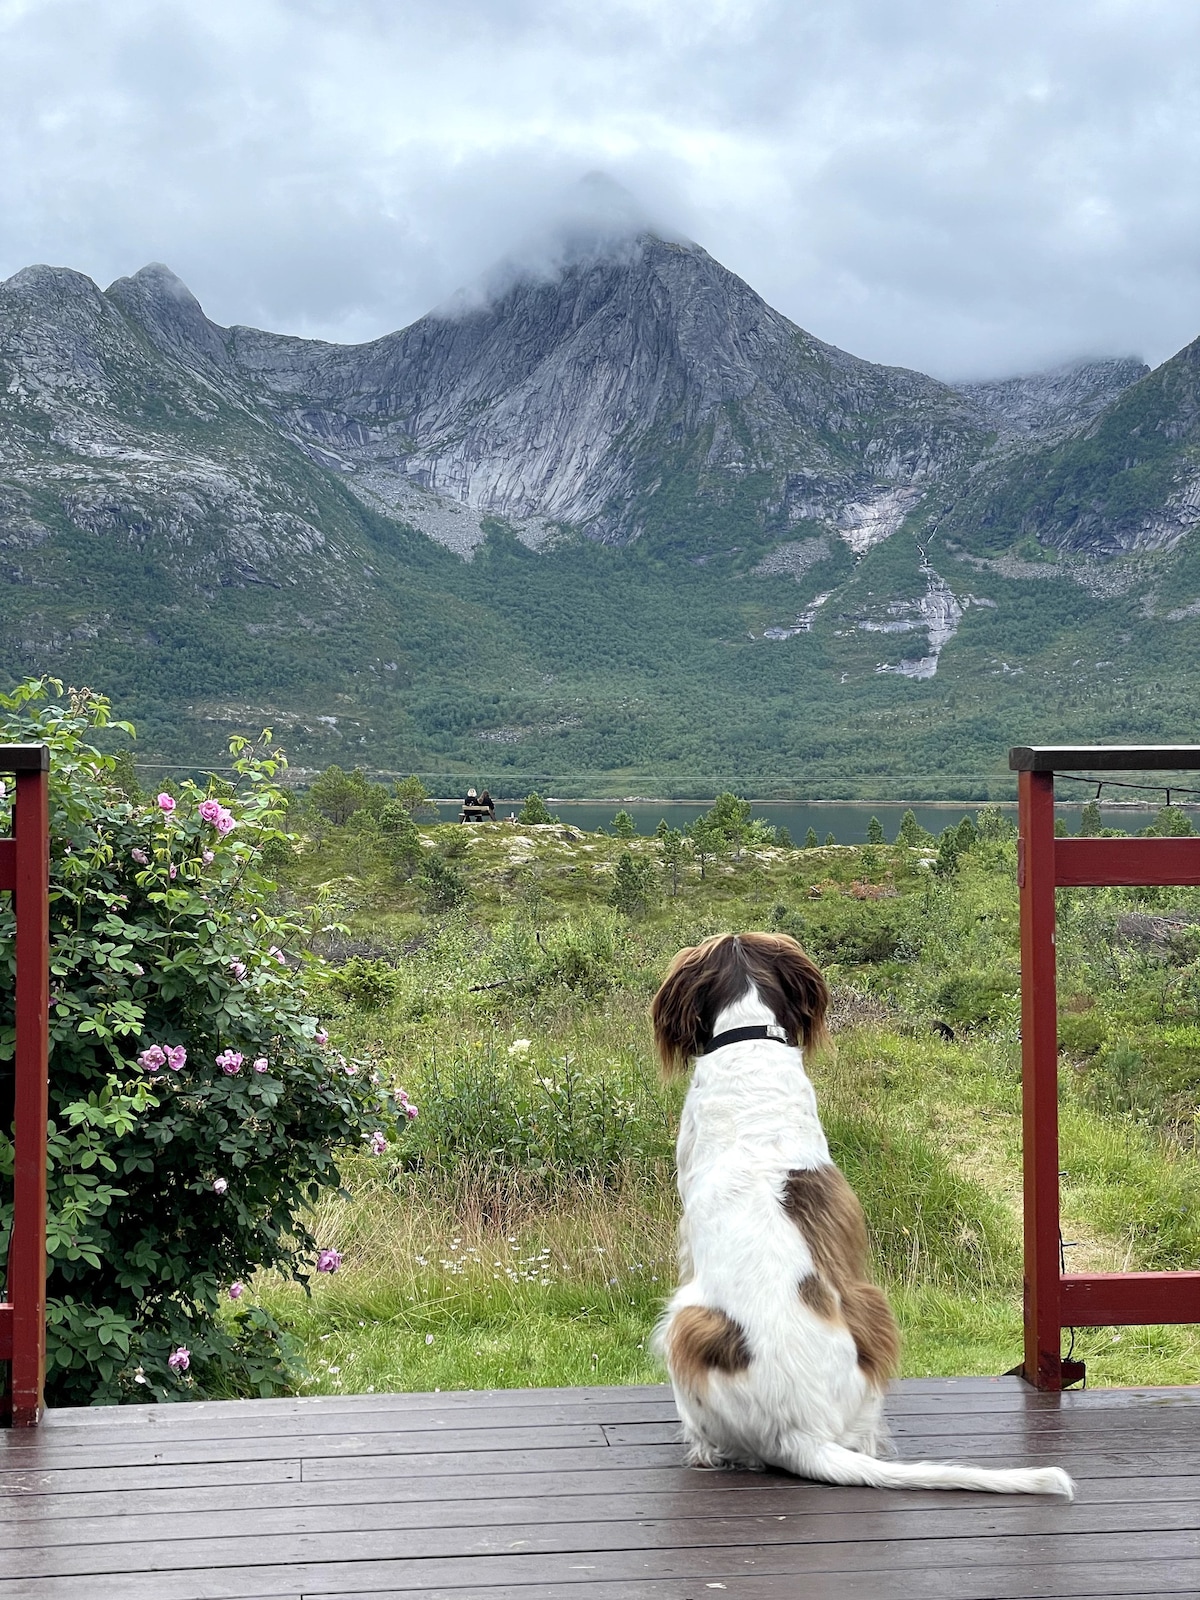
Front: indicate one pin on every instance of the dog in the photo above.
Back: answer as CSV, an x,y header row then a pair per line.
x,y
778,1345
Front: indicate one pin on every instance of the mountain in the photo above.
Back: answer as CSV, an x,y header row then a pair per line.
x,y
606,517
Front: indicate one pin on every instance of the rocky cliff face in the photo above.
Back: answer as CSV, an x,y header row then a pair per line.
x,y
569,399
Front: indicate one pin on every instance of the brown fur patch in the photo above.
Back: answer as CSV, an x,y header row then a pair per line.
x,y
706,978
826,1211
701,1341
873,1327
819,1297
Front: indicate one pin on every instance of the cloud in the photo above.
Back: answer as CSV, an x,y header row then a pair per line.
x,y
947,184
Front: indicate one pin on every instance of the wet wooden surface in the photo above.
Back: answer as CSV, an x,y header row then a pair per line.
x,y
533,1494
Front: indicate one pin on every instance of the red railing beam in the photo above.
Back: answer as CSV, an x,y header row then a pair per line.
x,y
1131,863
1125,1299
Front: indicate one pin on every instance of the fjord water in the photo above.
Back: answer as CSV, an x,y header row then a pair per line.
x,y
846,820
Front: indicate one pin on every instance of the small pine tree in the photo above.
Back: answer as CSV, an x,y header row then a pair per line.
x,y
874,831
810,839
673,850
1091,822
633,885
947,857
911,832
783,839
623,826
412,794
708,840
443,884
829,839
534,811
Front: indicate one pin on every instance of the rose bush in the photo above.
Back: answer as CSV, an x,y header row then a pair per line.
x,y
196,1108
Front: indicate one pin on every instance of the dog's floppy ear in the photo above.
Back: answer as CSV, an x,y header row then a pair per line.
x,y
791,984
678,1009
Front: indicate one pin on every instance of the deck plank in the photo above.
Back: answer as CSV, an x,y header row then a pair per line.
x,y
529,1495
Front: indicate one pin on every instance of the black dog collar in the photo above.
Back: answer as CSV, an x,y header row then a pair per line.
x,y
767,1030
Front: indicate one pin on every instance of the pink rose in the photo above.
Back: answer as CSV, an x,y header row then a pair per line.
x,y
411,1113
177,1058
321,1037
179,1360
329,1260
261,1064
236,1291
225,822
153,1059
238,968
210,810
378,1142
173,872
208,858
140,856
230,1062
220,1185
165,804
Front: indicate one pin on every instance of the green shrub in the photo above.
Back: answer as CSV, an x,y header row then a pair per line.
x,y
443,885
195,1109
365,984
856,932
974,997
1082,1033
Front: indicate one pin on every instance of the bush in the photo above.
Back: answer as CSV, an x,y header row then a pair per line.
x,y
975,997
443,885
365,984
534,812
1082,1033
195,1109
855,932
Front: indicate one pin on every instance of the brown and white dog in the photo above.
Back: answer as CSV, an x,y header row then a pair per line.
x,y
778,1345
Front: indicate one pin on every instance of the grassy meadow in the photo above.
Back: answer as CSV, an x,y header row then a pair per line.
x,y
520,1231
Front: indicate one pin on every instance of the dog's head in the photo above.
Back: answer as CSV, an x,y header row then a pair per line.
x,y
706,978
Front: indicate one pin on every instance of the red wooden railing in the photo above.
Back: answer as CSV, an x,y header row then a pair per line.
x,y
25,874
1055,1299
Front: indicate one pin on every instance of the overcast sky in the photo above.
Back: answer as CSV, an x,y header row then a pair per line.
x,y
965,187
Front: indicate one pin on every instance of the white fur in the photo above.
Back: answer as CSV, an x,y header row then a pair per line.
x,y
803,1403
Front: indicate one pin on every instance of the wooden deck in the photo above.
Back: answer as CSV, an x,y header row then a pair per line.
x,y
532,1494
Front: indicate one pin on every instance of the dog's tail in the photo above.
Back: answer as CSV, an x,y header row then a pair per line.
x,y
833,1463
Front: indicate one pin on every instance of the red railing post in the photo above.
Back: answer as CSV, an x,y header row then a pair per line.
x,y
25,870
1039,1078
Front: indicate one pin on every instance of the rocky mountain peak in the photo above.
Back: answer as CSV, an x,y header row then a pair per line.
x,y
169,313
